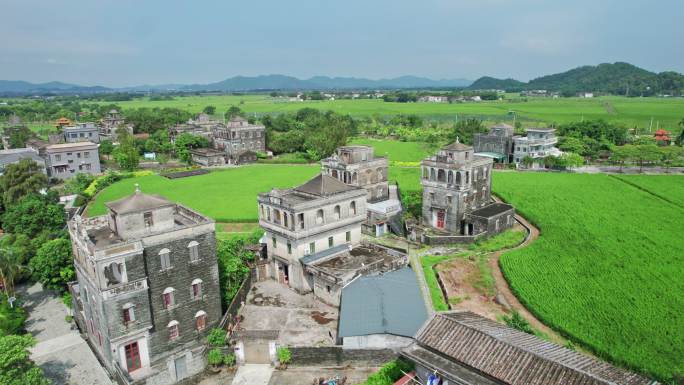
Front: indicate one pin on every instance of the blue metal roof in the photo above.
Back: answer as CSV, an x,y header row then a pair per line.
x,y
389,303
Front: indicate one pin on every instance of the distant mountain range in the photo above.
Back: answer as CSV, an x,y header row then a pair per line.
x,y
245,83
616,78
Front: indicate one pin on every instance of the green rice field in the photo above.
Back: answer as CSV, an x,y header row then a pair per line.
x,y
607,270
666,112
397,151
660,185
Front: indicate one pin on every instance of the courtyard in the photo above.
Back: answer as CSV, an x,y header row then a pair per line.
x,y
301,320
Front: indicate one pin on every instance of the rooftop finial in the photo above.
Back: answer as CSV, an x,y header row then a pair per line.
x,y
137,188
457,139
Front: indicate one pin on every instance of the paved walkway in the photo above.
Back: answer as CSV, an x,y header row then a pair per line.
x,y
64,356
253,374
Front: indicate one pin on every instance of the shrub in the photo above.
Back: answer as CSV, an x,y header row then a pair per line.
x,y
80,201
66,300
516,321
284,355
216,337
389,373
11,318
215,357
229,359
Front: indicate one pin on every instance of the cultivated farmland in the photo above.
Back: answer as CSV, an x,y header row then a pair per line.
x,y
607,269
633,112
397,151
225,195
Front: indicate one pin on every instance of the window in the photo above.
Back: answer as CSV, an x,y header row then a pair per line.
x,y
165,258
337,212
352,208
78,155
285,221
327,288
86,154
331,242
268,214
58,157
128,313
173,330
312,247
197,289
273,241
167,296
432,196
347,236
319,216
289,248
193,248
448,199
300,219
201,320
147,218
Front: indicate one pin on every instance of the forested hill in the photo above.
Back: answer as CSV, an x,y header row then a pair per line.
x,y
617,78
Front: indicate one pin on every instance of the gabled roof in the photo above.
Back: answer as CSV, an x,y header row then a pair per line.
x,y
138,202
457,146
324,185
514,357
388,303
503,125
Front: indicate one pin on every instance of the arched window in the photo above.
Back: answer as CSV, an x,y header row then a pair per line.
x,y
458,178
263,212
268,213
197,288
193,249
486,172
285,219
319,216
173,330
467,176
128,313
441,176
426,172
165,258
168,297
201,320
352,208
337,212
355,178
432,174
276,216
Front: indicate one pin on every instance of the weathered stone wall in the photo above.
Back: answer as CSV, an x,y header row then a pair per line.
x,y
337,356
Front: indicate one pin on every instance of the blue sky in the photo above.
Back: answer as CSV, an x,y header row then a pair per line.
x,y
126,42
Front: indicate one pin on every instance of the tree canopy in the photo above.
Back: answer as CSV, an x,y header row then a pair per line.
x,y
16,368
21,179
52,265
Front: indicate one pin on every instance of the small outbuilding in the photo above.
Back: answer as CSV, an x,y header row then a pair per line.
x,y
208,157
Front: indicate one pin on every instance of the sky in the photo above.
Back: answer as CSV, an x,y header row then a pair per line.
x,y
133,42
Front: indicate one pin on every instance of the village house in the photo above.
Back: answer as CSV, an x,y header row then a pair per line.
x,y
465,348
313,237
433,99
112,121
240,140
537,144
65,160
15,155
81,132
457,203
358,166
207,157
147,288
496,144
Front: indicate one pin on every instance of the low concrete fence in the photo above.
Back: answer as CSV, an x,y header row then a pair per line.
x,y
337,356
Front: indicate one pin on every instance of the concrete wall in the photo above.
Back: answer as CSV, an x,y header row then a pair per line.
x,y
338,356
376,341
76,162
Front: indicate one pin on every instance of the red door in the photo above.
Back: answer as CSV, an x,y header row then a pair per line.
x,y
440,219
132,357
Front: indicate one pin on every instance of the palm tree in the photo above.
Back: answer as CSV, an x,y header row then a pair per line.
x,y
10,268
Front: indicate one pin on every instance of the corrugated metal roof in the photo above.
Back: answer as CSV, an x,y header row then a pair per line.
x,y
515,357
389,303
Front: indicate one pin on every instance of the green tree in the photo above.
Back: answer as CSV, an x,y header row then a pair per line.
x,y
10,268
573,144
209,110
232,258
185,142
671,154
233,111
106,148
21,179
527,161
78,183
646,153
12,318
33,215
465,130
126,153
622,154
16,368
52,265
18,136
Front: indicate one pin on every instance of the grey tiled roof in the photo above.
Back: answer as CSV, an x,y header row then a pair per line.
x,y
389,303
138,202
491,210
8,157
457,146
514,357
324,185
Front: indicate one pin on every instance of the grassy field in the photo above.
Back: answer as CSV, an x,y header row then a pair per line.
x,y
397,151
607,270
227,195
630,111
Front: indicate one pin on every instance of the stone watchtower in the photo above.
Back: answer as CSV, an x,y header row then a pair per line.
x,y
455,183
